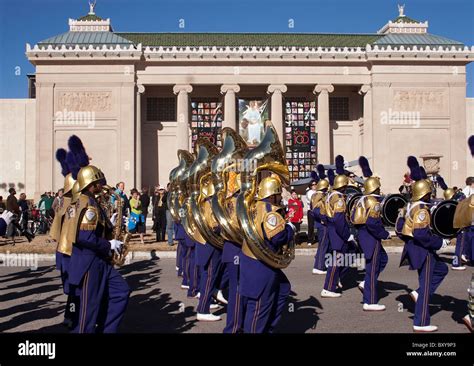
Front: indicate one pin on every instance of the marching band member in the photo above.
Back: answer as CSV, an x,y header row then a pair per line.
x,y
338,230
265,288
366,216
460,250
230,259
209,259
180,236
58,232
318,213
420,248
103,291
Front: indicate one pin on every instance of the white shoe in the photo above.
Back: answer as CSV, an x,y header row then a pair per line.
x,y
361,286
309,244
467,322
220,297
425,329
177,268
208,317
329,294
373,307
464,258
318,271
414,296
339,284
198,295
184,287
214,306
459,268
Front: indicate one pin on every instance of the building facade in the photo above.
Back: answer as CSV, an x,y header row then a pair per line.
x,y
136,98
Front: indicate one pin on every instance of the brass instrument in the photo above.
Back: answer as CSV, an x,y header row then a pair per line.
x,y
118,233
178,189
227,162
200,179
267,156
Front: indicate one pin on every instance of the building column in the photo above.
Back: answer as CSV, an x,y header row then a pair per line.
x,y
323,127
367,139
229,92
277,108
182,127
138,137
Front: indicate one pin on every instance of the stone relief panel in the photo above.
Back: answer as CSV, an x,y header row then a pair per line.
x,y
428,102
94,101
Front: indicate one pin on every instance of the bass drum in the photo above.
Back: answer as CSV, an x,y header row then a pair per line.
x,y
391,204
442,217
352,195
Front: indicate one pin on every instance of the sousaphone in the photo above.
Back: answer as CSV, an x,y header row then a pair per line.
x,y
269,157
199,178
225,167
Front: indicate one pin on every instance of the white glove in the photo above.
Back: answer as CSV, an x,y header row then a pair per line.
x,y
115,245
113,219
7,216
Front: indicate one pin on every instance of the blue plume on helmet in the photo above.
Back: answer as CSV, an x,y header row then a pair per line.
x,y
321,171
340,164
61,157
470,142
423,173
73,166
331,176
77,148
415,172
365,166
441,182
314,176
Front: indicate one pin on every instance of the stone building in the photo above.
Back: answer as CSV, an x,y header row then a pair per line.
x,y
135,98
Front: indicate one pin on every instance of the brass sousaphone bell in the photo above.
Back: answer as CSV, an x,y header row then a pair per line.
x,y
268,156
228,161
199,179
175,195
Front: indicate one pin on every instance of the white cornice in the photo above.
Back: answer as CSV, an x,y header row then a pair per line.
x,y
341,54
117,52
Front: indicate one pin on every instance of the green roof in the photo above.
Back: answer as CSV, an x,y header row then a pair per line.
x,y
251,39
90,17
404,19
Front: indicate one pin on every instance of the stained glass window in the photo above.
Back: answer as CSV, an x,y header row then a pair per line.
x,y
206,120
300,137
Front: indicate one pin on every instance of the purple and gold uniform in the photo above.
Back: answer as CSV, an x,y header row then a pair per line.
x,y
320,221
265,288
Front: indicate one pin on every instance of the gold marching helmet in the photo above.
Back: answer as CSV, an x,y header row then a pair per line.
x,y
88,175
323,182
268,187
68,184
371,183
268,156
420,189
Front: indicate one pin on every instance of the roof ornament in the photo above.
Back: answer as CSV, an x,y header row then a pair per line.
x,y
92,7
401,9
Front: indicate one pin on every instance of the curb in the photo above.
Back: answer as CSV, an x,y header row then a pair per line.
x,y
154,254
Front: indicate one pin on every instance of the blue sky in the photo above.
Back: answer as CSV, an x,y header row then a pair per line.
x,y
30,21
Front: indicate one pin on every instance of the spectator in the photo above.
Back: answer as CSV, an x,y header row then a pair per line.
x,y
145,198
12,202
169,220
48,204
469,188
136,224
58,201
120,191
2,205
159,213
23,203
295,210
405,188
309,195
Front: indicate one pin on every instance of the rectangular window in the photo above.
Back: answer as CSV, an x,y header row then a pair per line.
x,y
300,137
160,109
339,108
206,120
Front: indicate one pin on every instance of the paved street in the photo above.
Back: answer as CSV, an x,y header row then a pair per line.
x,y
32,301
